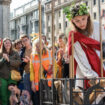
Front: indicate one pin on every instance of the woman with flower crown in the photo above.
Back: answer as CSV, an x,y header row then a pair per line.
x,y
86,60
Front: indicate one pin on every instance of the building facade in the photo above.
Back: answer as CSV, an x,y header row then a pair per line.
x,y
95,12
26,20
26,17
61,24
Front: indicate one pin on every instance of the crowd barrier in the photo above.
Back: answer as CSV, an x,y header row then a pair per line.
x,y
64,92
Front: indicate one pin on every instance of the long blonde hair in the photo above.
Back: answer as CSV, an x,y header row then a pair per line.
x,y
89,28
34,46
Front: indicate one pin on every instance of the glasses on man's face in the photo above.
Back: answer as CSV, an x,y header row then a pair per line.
x,y
24,40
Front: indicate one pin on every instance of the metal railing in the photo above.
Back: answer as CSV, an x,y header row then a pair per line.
x,y
64,92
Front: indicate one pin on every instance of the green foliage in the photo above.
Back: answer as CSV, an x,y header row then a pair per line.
x,y
75,10
67,12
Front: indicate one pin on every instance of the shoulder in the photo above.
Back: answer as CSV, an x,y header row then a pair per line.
x,y
14,53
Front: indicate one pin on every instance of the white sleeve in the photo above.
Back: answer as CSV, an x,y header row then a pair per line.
x,y
82,62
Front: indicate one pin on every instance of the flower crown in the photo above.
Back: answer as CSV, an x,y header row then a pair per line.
x,y
75,10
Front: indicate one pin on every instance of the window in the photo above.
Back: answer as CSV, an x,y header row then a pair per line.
x,y
59,1
48,6
36,14
59,13
94,2
59,25
66,24
103,13
87,3
103,0
12,25
23,20
48,17
49,29
95,15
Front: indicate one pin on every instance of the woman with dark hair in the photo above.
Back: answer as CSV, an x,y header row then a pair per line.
x,y
18,46
9,60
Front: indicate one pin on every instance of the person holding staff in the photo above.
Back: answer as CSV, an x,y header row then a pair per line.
x,y
86,61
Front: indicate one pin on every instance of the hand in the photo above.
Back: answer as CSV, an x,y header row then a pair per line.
x,y
61,52
50,69
26,59
33,87
66,58
6,57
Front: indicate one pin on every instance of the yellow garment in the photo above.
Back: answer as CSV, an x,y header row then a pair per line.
x,y
32,76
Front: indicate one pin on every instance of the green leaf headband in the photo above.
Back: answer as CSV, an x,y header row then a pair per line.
x,y
75,10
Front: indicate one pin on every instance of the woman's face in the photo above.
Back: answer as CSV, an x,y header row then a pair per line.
x,y
18,46
25,41
38,47
61,43
80,21
7,44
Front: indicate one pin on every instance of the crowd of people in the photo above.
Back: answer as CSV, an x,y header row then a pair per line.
x,y
24,57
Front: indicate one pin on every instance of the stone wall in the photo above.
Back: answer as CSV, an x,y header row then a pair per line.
x,y
4,18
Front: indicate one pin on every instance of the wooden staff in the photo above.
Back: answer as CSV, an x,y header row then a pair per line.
x,y
100,30
40,37
53,41
72,55
71,63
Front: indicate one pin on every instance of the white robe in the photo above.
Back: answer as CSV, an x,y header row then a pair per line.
x,y
83,69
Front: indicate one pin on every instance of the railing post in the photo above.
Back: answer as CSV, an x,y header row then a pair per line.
x,y
71,91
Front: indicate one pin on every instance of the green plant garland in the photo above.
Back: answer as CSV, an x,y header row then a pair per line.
x,y
75,10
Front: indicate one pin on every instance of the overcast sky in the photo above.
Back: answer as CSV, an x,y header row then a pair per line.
x,y
17,3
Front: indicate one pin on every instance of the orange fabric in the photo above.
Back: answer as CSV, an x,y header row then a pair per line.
x,y
36,65
59,65
49,81
60,72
